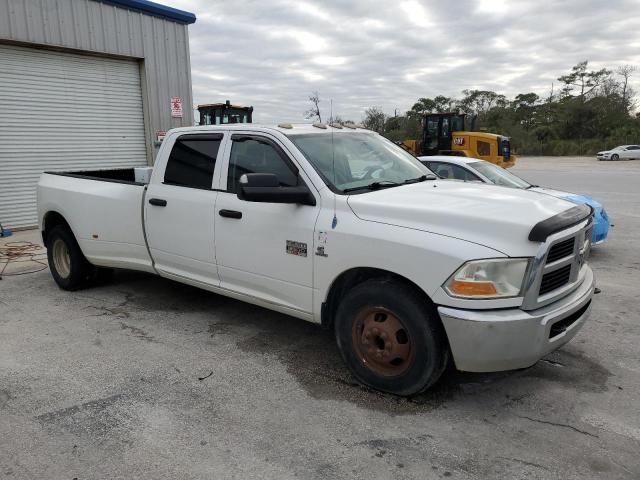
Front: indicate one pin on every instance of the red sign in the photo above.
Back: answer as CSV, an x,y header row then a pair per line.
x,y
176,107
160,134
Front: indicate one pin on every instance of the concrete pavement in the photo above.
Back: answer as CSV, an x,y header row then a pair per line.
x,y
147,378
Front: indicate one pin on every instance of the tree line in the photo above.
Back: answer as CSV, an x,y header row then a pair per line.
x,y
588,111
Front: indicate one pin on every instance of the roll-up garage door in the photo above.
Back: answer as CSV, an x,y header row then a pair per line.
x,y
62,111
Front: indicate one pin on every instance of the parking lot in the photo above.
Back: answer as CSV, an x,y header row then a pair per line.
x,y
144,377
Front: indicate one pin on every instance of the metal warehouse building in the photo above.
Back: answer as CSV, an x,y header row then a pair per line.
x,y
86,84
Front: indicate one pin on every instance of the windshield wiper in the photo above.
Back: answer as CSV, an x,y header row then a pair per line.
x,y
531,186
389,183
422,178
373,186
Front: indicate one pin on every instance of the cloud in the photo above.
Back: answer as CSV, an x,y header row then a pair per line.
x,y
359,53
416,13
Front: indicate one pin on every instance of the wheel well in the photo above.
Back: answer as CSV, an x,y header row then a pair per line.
x,y
349,279
51,220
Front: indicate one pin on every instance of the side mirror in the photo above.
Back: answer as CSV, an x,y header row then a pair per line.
x,y
265,187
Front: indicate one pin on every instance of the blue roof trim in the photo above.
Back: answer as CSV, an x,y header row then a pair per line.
x,y
155,9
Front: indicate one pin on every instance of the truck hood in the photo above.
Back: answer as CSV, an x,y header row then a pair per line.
x,y
496,217
570,197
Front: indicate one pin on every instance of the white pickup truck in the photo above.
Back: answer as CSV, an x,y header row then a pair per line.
x,y
341,227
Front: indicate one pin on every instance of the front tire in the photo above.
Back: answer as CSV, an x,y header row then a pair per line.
x,y
69,267
390,337
615,157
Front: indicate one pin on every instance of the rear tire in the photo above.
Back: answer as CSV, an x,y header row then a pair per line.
x,y
69,267
391,338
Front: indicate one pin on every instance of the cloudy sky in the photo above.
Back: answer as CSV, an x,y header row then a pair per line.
x,y
272,53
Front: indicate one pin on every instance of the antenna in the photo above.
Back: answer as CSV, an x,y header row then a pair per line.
x,y
333,165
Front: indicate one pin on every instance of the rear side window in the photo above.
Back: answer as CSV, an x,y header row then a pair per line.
x,y
454,172
484,148
460,173
192,161
440,169
255,155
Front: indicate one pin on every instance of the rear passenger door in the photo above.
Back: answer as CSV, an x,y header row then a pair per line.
x,y
179,210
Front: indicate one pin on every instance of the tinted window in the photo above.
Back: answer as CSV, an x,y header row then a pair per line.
x,y
432,133
461,173
484,148
439,169
457,123
499,175
445,127
251,155
450,171
634,147
192,161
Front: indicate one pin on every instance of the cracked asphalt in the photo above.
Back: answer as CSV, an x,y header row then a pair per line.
x,y
146,378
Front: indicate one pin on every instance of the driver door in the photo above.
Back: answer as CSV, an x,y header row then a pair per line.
x,y
264,250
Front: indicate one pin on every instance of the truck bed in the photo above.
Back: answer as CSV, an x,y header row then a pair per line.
x,y
118,175
104,209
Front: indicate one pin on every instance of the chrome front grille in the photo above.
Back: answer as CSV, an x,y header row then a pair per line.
x,y
561,250
555,279
556,269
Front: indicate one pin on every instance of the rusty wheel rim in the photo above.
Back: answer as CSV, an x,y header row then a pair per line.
x,y
382,342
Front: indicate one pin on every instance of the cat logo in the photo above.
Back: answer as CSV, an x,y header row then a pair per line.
x,y
458,140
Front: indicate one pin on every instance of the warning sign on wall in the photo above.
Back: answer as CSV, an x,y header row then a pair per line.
x,y
176,107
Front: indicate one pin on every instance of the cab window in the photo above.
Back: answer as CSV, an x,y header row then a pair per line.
x,y
484,148
192,161
432,133
258,155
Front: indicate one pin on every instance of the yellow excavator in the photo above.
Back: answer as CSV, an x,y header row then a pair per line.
x,y
445,134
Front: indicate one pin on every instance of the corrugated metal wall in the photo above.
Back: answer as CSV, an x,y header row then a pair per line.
x,y
93,26
63,111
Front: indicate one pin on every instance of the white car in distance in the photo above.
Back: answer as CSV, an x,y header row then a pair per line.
x,y
623,152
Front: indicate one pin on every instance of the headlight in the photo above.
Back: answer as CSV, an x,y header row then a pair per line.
x,y
493,278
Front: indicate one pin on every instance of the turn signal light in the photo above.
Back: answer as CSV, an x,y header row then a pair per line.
x,y
470,289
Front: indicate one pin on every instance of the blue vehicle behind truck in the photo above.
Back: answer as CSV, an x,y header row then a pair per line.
x,y
475,170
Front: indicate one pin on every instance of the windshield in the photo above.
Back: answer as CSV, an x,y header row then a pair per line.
x,y
498,175
347,161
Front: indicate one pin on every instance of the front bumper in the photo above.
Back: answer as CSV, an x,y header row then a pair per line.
x,y
507,339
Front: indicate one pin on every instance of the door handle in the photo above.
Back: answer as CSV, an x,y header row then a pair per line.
x,y
230,214
158,202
